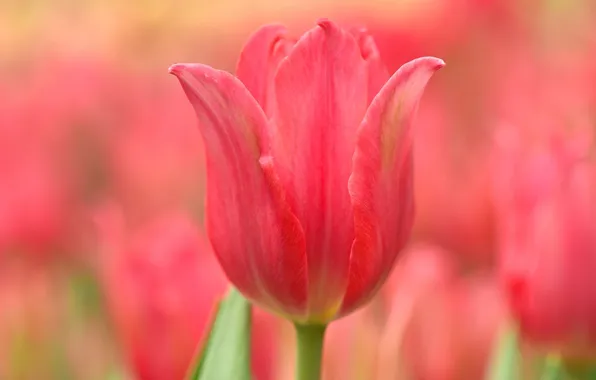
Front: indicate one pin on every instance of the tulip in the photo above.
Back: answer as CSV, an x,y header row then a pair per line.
x,y
161,284
440,326
420,283
309,167
452,332
547,195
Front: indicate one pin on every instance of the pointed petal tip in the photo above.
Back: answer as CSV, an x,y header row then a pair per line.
x,y
433,62
179,68
439,63
186,71
176,69
326,24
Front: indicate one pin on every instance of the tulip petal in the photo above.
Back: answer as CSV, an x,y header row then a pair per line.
x,y
377,72
321,99
259,60
258,241
381,181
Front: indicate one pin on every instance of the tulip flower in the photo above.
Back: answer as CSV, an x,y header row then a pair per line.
x,y
432,332
452,332
548,242
161,284
309,167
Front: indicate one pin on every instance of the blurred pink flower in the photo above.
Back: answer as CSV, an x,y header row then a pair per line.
x,y
440,327
35,190
43,117
161,282
421,280
427,324
33,206
546,191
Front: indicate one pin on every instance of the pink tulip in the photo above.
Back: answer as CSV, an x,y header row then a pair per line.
x,y
420,281
452,333
45,119
440,327
309,160
546,190
161,284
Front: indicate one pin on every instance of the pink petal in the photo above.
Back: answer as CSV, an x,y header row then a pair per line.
x,y
377,72
259,60
321,99
258,242
381,181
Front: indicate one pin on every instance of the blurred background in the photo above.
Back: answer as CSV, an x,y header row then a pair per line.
x,y
105,272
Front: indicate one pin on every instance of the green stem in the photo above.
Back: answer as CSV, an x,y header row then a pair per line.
x,y
309,340
553,369
505,358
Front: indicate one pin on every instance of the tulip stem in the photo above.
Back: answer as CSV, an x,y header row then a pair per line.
x,y
309,353
553,369
505,361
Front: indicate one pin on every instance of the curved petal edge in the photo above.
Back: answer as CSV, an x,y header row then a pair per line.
x,y
380,185
258,241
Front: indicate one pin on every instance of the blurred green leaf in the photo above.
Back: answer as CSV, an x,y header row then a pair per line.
x,y
505,362
579,369
225,355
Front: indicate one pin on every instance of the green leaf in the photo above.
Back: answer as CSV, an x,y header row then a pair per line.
x,y
225,353
579,369
505,361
